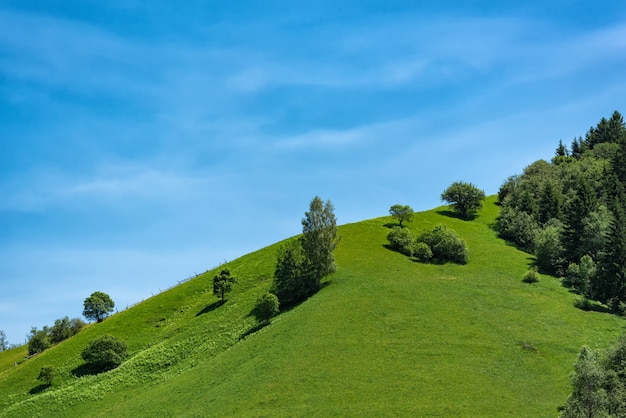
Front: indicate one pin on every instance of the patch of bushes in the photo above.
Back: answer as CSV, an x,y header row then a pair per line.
x,y
439,245
401,240
41,339
445,245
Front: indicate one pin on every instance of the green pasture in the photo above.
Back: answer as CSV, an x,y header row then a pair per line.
x,y
386,336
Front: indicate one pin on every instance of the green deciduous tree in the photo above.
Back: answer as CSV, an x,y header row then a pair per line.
x,y
223,283
599,383
98,306
465,198
304,262
549,250
588,398
402,213
104,353
292,280
65,328
319,239
38,340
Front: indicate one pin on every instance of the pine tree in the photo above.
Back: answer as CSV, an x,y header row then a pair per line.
x,y
611,285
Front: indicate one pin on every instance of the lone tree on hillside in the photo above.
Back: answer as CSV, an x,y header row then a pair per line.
x,y
303,263
319,239
401,213
223,283
98,306
465,198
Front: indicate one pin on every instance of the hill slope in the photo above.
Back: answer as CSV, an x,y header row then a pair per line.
x,y
387,336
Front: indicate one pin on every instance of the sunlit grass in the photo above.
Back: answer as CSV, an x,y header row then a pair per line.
x,y
386,336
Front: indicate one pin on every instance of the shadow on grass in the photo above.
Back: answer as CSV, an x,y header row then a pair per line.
x,y
38,389
591,306
391,224
87,369
254,329
452,214
211,307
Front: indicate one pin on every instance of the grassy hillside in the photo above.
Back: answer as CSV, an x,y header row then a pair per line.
x,y
386,336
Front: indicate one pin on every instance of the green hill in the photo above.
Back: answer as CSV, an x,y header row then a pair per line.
x,y
386,336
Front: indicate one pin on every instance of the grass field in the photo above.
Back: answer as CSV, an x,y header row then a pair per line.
x,y
386,336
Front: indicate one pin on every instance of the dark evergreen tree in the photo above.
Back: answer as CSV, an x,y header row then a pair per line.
x,y
577,211
549,203
618,164
577,148
561,150
611,286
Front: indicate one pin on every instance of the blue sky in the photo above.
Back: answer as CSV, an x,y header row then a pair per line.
x,y
143,142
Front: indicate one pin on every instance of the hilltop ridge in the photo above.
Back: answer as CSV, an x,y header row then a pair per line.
x,y
385,335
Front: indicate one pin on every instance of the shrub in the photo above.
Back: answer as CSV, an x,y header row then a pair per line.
x,y
266,307
584,304
104,353
517,226
445,245
401,240
46,375
531,276
422,252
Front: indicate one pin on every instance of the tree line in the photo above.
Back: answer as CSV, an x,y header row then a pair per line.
x,y
570,212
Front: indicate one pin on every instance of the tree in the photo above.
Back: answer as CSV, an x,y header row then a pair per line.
x,y
588,398
104,353
38,340
611,279
465,198
65,328
223,283
319,239
61,330
4,344
599,383
265,307
46,375
302,263
291,276
549,249
98,306
401,213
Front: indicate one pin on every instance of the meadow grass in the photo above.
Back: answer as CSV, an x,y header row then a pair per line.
x,y
386,336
